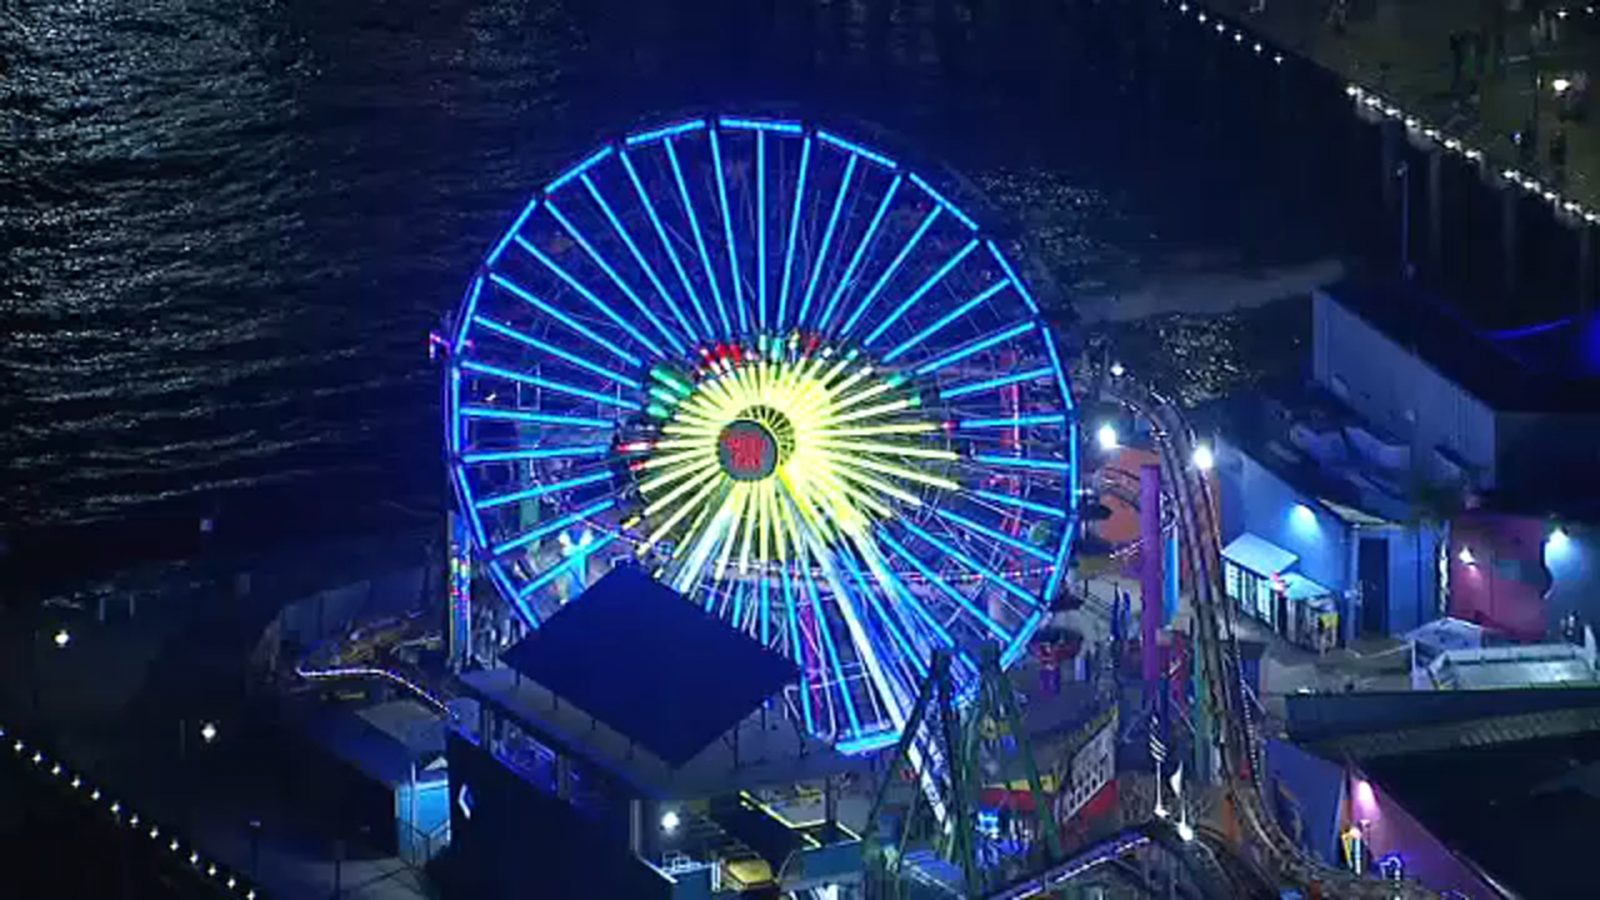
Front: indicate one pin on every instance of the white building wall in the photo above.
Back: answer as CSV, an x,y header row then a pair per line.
x,y
1396,390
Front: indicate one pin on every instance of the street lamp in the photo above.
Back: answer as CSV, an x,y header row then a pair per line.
x,y
669,821
61,638
208,732
1558,541
1106,437
1203,458
1118,370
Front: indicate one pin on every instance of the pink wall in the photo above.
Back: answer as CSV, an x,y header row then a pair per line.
x,y
1390,829
1504,585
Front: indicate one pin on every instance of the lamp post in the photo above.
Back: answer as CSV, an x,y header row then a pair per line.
x,y
208,732
61,639
1106,437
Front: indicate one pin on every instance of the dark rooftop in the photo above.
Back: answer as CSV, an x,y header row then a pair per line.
x,y
1524,811
386,742
1548,367
1262,424
634,654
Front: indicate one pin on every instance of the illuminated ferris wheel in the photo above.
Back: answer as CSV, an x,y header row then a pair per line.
x,y
791,379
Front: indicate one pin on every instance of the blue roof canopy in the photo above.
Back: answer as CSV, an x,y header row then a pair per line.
x,y
1259,555
1299,587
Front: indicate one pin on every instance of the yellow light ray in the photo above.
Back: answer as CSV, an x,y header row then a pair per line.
x,y
735,508
833,478
696,442
691,425
689,467
870,430
869,412
752,500
833,373
879,485
764,495
845,501
786,515
801,503
854,379
682,511
900,471
709,474
910,450
705,540
656,462
844,403
694,539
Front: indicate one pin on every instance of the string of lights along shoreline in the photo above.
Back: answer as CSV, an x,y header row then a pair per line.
x,y
793,380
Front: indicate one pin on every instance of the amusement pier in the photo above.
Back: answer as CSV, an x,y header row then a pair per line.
x,y
807,530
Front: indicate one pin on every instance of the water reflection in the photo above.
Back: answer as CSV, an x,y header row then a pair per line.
x,y
231,225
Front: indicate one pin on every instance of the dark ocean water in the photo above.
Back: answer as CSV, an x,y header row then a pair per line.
x,y
228,226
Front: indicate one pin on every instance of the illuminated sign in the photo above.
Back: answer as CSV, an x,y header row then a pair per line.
x,y
747,450
1093,767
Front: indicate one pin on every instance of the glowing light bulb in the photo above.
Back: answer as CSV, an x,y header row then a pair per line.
x,y
1558,544
1106,437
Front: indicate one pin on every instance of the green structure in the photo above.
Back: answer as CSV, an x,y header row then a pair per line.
x,y
924,836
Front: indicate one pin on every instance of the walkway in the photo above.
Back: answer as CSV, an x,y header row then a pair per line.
x,y
1402,49
112,707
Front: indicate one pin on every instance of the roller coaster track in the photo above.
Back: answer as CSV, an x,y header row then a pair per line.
x,y
1238,744
1214,869
356,673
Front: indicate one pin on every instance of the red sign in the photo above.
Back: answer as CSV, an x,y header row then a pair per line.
x,y
747,450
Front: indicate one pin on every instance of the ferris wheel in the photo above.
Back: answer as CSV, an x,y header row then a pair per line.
x,y
790,378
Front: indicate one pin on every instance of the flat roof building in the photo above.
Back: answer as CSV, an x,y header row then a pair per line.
x,y
1356,479
624,749
1514,415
